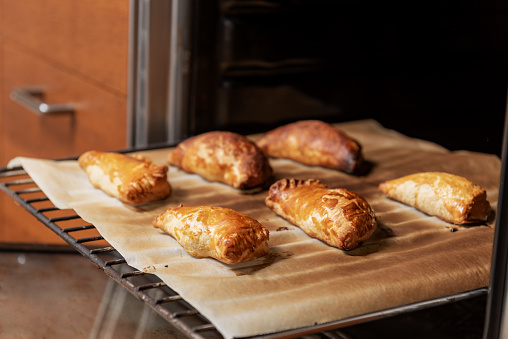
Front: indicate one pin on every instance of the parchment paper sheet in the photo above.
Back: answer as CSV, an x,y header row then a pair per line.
x,y
302,282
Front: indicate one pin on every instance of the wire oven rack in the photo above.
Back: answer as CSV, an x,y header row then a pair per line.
x,y
85,239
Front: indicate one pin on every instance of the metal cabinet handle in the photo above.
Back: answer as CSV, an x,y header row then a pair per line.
x,y
29,98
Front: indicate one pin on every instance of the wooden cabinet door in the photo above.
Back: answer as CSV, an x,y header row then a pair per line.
x,y
98,122
85,37
76,52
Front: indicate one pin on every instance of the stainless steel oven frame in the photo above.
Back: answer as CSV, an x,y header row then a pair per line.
x,y
160,37
496,318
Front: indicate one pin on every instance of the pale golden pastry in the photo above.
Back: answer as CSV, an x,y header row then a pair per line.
x,y
338,217
447,196
131,179
224,157
313,143
215,232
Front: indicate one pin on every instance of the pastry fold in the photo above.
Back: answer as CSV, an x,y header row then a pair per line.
x,y
215,232
313,143
224,157
338,217
131,179
447,196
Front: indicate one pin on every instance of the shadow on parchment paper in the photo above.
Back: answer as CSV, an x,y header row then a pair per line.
x,y
248,268
378,239
489,223
376,242
150,206
364,169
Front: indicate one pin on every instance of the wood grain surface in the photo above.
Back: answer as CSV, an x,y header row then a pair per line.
x,y
77,52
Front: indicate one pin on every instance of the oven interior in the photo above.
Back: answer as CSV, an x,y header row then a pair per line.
x,y
435,71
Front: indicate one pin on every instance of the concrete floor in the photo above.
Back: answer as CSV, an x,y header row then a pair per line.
x,y
63,295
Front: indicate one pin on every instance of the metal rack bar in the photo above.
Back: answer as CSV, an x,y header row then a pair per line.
x,y
102,250
79,228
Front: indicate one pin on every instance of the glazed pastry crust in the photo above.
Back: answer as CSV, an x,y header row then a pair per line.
x,y
338,217
131,179
215,232
224,157
313,143
447,196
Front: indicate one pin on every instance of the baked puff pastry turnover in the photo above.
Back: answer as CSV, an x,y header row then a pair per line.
x,y
131,179
447,196
215,232
338,217
313,143
224,157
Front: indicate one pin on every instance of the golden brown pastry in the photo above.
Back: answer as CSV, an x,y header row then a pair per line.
x,y
225,157
215,232
131,179
447,196
337,216
313,143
